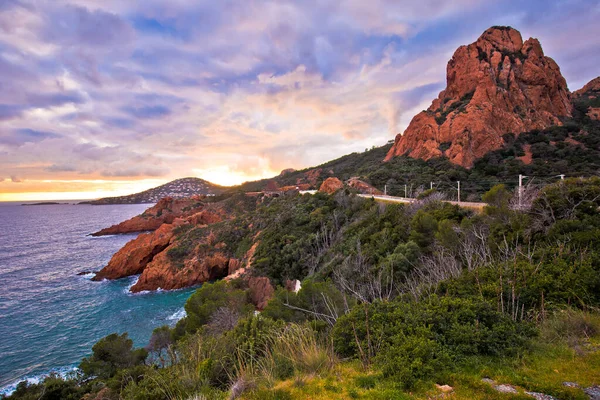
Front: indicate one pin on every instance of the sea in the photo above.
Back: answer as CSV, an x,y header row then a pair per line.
x,y
50,316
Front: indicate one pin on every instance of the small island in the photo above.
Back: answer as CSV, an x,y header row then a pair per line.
x,y
45,203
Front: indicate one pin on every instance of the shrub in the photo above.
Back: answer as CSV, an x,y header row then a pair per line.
x,y
110,354
413,341
210,298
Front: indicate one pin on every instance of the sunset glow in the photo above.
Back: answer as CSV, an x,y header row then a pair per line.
x,y
230,93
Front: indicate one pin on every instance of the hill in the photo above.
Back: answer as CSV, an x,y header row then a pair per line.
x,y
179,188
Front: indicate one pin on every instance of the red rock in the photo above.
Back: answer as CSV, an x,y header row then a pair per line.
x,y
312,176
363,187
136,254
496,85
163,212
331,185
590,87
204,217
287,171
162,273
261,291
291,188
594,113
528,157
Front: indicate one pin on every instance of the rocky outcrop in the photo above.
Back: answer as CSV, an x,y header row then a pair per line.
x,y
496,85
363,187
260,291
287,171
164,212
133,258
312,176
590,88
587,99
331,185
164,273
594,113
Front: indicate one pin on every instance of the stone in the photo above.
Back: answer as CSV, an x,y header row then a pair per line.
x,y
593,392
363,187
505,389
331,185
496,85
444,388
261,291
541,396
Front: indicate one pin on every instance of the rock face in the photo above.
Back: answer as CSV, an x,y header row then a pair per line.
x,y
136,254
261,291
363,187
591,87
496,85
163,273
163,212
331,185
587,99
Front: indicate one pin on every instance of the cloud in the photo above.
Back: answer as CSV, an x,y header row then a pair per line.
x,y
147,112
106,89
61,168
19,137
135,172
14,179
80,27
10,111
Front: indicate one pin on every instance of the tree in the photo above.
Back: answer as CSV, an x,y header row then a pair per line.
x,y
111,353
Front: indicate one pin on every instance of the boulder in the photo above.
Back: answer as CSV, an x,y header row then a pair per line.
x,y
331,185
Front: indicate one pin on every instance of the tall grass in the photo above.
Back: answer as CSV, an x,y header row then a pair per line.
x,y
303,350
571,326
297,349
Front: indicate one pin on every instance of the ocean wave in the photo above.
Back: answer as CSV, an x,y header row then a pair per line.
x,y
177,315
128,288
63,372
88,276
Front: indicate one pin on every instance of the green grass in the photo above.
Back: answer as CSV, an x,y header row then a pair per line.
x,y
564,352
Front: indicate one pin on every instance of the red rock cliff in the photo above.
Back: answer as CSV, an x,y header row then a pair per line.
x,y
496,85
164,212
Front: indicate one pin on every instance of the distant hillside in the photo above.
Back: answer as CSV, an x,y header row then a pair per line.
x,y
178,188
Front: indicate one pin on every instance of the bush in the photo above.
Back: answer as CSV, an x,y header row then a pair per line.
x,y
110,354
413,341
207,300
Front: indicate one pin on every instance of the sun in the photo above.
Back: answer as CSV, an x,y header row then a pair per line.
x,y
225,176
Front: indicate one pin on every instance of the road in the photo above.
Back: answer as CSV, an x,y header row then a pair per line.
x,y
392,199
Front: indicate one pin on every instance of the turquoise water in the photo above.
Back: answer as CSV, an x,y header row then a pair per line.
x,y
49,316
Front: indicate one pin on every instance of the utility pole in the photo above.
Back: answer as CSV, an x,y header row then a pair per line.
x,y
458,191
385,190
405,191
521,189
430,185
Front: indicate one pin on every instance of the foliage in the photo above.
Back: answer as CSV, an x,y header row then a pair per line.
x,y
412,341
110,354
208,299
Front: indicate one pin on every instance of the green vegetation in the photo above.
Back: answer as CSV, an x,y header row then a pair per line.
x,y
394,299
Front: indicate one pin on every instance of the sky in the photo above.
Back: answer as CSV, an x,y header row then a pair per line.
x,y
110,97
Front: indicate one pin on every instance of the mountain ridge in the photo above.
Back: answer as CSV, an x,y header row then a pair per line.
x,y
178,188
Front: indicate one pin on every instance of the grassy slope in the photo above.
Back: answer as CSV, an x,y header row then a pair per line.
x,y
543,369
